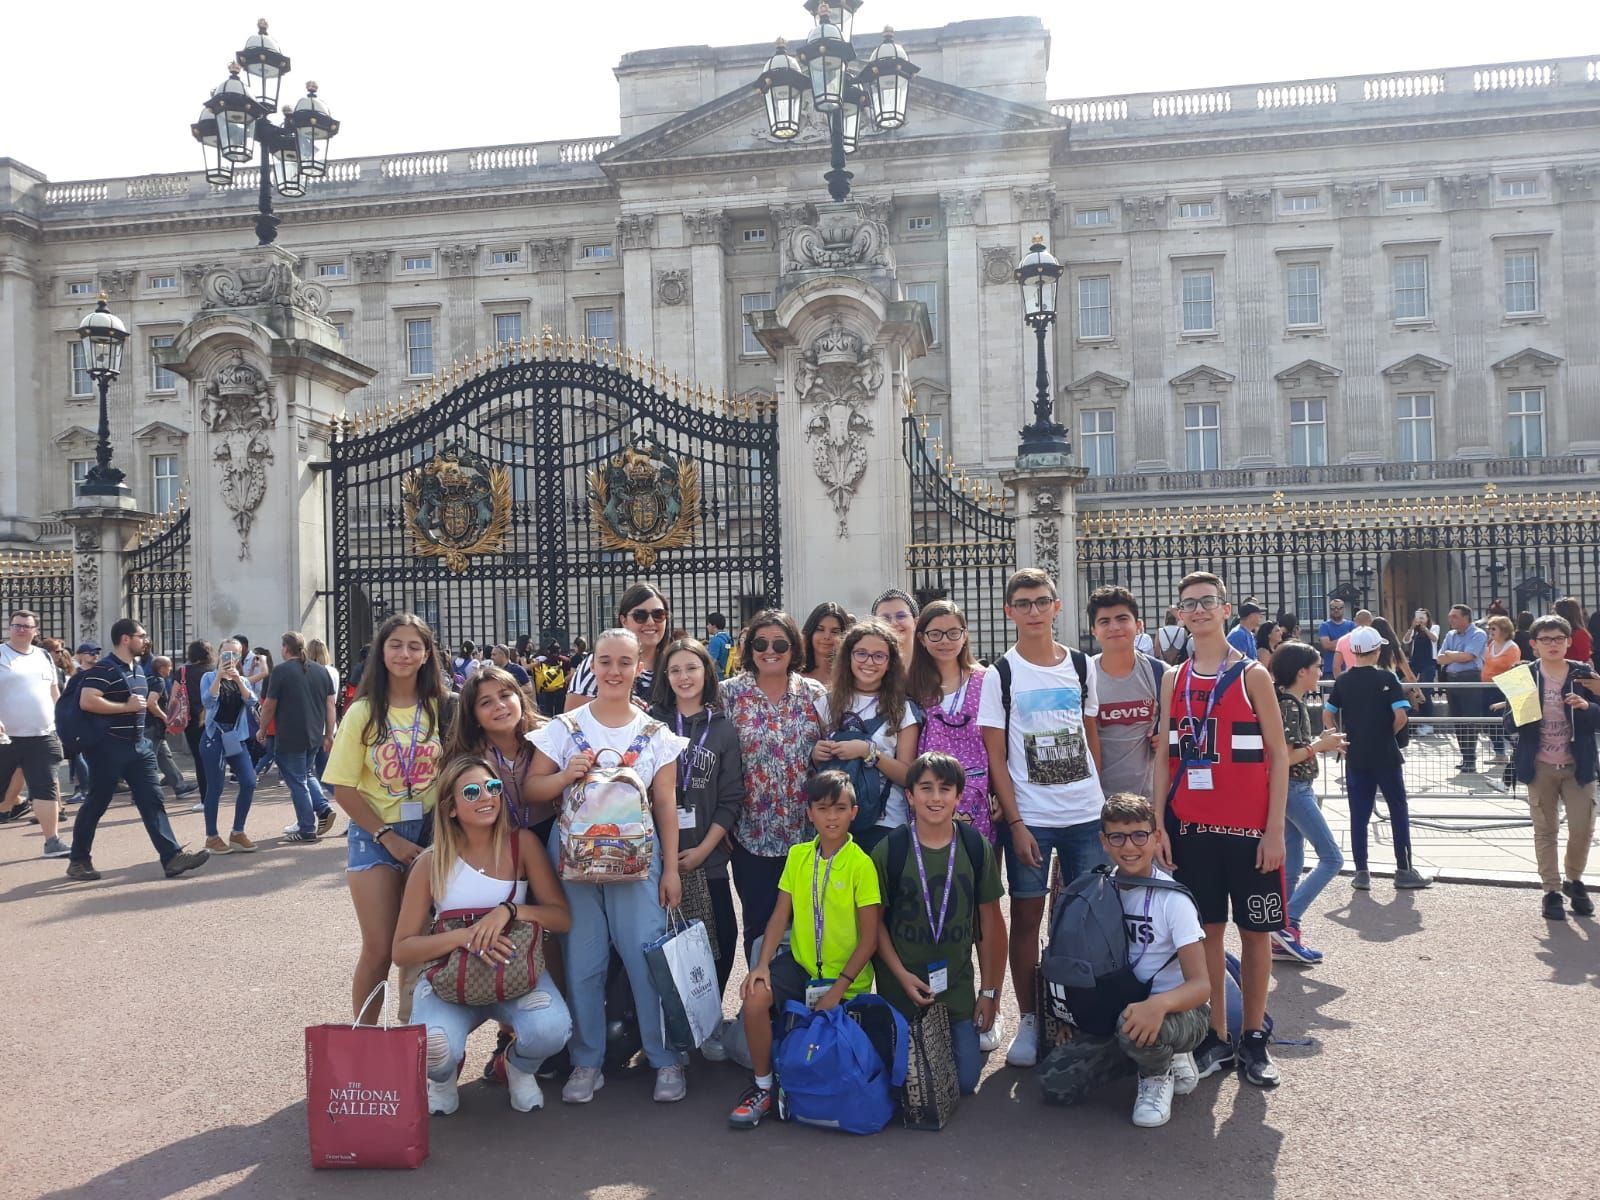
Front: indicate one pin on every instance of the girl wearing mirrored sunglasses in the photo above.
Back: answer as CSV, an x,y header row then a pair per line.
x,y
644,612
947,682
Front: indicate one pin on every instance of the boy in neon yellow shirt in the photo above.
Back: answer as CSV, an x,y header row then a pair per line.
x,y
830,887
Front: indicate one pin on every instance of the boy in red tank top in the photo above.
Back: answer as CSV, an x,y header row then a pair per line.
x,y
1220,794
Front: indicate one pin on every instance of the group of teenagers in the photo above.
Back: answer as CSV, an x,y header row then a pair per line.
x,y
835,783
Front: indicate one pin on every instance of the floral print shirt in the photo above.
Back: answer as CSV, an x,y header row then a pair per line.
x,y
775,741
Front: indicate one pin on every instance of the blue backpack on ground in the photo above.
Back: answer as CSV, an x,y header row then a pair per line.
x,y
830,1075
76,728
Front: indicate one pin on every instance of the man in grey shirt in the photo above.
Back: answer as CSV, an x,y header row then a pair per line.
x,y
300,698
1128,683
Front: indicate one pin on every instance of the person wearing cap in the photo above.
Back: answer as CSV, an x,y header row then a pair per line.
x,y
1370,706
1243,637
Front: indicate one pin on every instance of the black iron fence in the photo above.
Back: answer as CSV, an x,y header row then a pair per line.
x,y
158,579
41,582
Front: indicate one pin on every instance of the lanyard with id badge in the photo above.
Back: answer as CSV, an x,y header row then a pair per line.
x,y
687,818
939,969
1197,770
817,988
406,760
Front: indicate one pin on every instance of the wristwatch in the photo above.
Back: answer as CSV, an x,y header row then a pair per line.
x,y
989,993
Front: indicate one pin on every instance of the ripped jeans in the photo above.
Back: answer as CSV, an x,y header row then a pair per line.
x,y
539,1019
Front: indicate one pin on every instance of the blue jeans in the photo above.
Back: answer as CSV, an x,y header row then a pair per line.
x,y
540,1021
111,759
624,915
1306,824
215,753
1363,788
305,792
969,1060
362,852
1077,846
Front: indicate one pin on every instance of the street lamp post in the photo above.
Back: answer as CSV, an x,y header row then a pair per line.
x,y
103,337
1039,274
850,101
238,116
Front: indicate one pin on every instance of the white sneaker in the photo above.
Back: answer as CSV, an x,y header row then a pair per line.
x,y
524,1088
989,1039
443,1098
1024,1051
1185,1075
582,1084
713,1049
198,806
1152,1107
670,1085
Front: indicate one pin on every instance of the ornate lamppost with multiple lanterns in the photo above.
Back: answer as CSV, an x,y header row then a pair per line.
x,y
238,117
103,335
849,99
1039,275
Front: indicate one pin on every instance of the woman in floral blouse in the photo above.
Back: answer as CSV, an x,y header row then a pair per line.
x,y
779,714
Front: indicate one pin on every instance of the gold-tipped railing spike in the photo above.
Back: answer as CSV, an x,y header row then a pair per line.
x,y
549,340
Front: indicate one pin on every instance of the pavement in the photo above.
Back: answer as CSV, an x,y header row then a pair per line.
x,y
157,1054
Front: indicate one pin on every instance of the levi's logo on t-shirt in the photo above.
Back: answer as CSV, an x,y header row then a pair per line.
x,y
1128,712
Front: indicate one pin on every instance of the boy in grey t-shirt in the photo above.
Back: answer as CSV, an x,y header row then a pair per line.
x,y
1128,686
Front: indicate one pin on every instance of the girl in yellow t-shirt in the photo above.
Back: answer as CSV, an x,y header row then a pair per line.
x,y
384,768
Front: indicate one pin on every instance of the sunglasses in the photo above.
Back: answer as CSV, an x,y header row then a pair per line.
x,y
644,616
1139,837
935,636
489,787
776,645
895,618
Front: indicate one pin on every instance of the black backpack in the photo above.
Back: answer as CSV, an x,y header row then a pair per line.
x,y
1087,979
75,728
1080,664
972,845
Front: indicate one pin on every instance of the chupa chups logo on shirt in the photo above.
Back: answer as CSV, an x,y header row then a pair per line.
x,y
353,1100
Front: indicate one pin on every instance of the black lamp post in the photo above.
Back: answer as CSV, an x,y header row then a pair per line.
x,y
874,94
238,116
1039,274
103,338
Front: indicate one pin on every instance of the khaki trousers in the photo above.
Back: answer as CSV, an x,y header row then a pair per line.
x,y
1552,787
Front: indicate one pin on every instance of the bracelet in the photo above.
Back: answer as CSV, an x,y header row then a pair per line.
x,y
382,829
1018,821
849,979
511,907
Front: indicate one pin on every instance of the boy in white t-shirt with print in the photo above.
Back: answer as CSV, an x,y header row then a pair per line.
x,y
1156,1036
1044,750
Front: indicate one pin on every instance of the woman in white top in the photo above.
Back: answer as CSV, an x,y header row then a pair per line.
x,y
869,685
479,861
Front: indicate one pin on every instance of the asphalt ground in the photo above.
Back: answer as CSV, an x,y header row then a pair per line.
x,y
156,1051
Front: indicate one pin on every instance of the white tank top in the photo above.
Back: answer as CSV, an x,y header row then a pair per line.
x,y
469,887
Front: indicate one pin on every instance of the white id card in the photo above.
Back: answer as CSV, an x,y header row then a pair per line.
x,y
1199,779
411,810
686,818
939,977
816,990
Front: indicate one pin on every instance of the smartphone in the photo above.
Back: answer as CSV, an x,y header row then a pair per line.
x,y
228,656
1419,615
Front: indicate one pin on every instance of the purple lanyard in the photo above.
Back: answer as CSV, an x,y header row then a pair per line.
x,y
960,701
686,759
508,778
949,879
1202,737
818,902
408,757
1149,895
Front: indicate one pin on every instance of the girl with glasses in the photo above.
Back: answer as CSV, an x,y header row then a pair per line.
x,y
948,683
873,725
820,635
780,716
481,862
643,611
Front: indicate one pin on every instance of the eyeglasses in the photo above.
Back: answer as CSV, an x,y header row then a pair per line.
x,y
1193,602
644,616
1042,604
1138,837
1553,640
895,618
876,657
935,636
20,625
776,645
489,787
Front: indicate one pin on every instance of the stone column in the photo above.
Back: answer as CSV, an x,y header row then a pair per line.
x,y
963,327
708,359
371,336
461,263
1580,301
636,234
1152,413
101,535
23,302
550,284
1366,425
266,381
1047,534
1465,420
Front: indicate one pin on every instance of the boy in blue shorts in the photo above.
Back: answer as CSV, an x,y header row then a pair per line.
x,y
830,887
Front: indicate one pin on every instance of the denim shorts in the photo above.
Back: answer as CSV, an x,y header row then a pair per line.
x,y
1077,846
364,852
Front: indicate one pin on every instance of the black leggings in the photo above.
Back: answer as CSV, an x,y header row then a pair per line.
x,y
727,928
756,876
192,734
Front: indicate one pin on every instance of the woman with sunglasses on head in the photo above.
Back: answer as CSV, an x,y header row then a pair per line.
x,y
643,611
820,636
710,780
948,682
898,611
481,862
868,697
780,716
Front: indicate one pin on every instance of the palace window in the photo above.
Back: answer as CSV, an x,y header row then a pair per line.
x,y
1308,433
1522,282
161,379
1410,276
1414,422
1199,302
1202,436
419,346
1525,422
1097,441
1094,306
1303,294
928,293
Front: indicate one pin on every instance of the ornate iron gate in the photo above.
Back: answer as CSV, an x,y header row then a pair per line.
x,y
1391,556
962,544
159,580
525,496
40,581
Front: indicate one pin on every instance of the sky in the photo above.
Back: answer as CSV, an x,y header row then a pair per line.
x,y
400,79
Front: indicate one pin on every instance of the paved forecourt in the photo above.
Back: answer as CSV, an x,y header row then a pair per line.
x,y
155,1050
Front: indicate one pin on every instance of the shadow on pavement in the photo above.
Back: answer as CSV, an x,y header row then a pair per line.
x,y
1373,918
1571,949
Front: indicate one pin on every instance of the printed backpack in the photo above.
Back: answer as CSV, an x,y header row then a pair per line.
x,y
178,710
549,677
607,832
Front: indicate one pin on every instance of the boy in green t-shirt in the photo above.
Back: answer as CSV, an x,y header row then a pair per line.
x,y
830,887
941,893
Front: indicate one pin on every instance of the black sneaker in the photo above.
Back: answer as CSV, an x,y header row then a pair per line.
x,y
82,869
185,860
1582,906
326,820
298,837
1554,908
1255,1064
1212,1054
22,809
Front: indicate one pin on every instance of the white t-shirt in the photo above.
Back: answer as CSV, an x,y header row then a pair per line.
x,y
1047,754
662,750
895,811
1175,637
26,680
1158,923
1144,645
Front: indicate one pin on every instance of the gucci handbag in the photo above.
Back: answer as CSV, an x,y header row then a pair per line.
x,y
461,977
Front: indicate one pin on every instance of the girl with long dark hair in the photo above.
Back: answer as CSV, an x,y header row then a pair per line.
x,y
644,612
948,682
820,635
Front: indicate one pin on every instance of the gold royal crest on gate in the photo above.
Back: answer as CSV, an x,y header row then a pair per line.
x,y
458,505
645,500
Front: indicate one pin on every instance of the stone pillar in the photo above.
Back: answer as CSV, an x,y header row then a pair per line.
x,y
1580,301
101,535
461,264
1047,534
1464,423
550,287
23,302
708,351
636,233
963,328
267,381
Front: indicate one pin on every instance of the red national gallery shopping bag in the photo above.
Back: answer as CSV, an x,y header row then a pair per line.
x,y
367,1094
